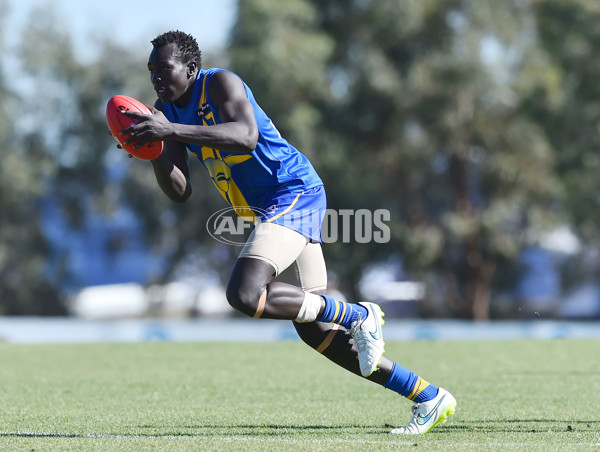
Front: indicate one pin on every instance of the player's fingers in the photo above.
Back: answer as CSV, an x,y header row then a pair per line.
x,y
136,115
134,138
140,143
135,130
140,135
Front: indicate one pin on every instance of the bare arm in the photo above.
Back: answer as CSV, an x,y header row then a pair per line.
x,y
238,132
172,172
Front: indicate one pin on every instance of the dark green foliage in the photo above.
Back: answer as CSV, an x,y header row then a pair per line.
x,y
473,122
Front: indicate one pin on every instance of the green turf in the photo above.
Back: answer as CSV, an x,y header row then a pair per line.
x,y
512,395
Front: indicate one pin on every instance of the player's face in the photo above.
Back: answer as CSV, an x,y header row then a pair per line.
x,y
172,78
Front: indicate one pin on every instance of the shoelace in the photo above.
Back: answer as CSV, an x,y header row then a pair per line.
x,y
360,340
356,324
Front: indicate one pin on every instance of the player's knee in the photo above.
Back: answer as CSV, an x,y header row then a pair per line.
x,y
243,298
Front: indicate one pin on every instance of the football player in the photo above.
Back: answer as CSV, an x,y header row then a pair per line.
x,y
213,114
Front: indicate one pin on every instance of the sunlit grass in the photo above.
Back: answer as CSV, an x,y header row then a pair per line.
x,y
525,395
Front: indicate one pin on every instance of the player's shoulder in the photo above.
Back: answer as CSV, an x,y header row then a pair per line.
x,y
222,81
218,76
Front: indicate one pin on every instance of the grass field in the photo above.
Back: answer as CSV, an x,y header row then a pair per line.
x,y
512,395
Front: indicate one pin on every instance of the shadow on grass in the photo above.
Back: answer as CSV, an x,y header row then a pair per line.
x,y
266,430
208,431
521,426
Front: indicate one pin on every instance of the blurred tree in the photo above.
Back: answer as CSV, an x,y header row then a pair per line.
x,y
570,116
24,286
455,116
433,112
280,51
419,102
65,101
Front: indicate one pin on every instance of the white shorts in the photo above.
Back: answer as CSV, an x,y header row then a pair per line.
x,y
282,247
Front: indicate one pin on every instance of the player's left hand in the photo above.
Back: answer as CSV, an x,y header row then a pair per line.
x,y
151,127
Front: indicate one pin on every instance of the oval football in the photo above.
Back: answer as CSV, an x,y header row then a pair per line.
x,y
117,121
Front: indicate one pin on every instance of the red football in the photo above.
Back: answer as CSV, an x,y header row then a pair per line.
x,y
117,121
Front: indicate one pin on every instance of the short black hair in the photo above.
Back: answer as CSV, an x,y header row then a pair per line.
x,y
187,45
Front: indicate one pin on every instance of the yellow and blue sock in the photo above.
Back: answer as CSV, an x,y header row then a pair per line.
x,y
341,312
409,385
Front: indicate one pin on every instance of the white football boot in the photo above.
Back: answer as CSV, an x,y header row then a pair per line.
x,y
427,415
368,338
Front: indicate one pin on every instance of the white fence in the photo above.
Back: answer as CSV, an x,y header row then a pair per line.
x,y
73,330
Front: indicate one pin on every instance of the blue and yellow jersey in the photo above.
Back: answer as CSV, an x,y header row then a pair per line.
x,y
246,181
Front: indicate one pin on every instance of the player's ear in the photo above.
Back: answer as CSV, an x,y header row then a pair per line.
x,y
192,68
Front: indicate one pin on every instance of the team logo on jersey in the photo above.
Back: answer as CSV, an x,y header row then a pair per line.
x,y
204,110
